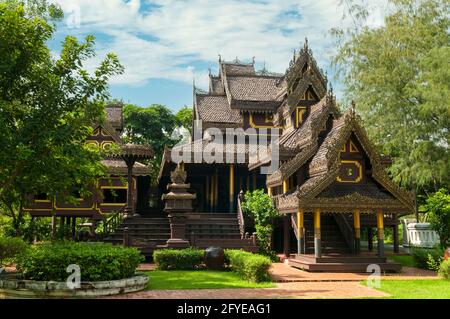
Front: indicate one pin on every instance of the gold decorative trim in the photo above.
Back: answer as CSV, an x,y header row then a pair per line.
x,y
358,165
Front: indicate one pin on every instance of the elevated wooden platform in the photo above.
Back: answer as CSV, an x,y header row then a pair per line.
x,y
341,263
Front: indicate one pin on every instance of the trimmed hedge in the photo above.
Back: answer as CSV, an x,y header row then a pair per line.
x,y
249,266
10,248
170,259
97,261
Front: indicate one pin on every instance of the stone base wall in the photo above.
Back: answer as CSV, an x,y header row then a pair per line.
x,y
12,286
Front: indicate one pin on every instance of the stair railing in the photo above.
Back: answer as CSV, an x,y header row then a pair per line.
x,y
294,225
240,215
113,222
346,229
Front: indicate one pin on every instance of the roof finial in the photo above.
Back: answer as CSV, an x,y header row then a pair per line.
x,y
331,89
306,44
293,56
236,60
353,108
209,72
253,60
220,58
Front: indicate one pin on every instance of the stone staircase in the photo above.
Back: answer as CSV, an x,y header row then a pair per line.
x,y
202,230
144,233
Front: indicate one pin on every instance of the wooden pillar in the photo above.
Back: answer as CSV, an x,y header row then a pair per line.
x,y
269,191
248,182
211,197
241,184
369,238
206,207
286,241
285,186
317,237
255,184
300,231
74,223
395,235
129,208
53,227
216,190
231,188
380,233
357,227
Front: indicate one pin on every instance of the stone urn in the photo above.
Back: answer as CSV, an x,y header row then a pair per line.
x,y
214,258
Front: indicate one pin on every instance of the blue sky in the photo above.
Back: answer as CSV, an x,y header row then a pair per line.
x,y
165,45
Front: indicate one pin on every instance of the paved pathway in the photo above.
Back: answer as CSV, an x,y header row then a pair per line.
x,y
283,273
283,290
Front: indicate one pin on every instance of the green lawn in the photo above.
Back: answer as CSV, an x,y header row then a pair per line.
x,y
199,279
405,260
416,289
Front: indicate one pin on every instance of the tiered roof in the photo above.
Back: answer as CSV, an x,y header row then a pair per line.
x,y
312,144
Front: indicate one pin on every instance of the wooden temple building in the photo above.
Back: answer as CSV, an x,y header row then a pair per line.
x,y
330,183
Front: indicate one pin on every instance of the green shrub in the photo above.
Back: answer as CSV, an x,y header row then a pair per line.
x,y
97,261
10,248
444,269
427,258
249,266
259,206
189,258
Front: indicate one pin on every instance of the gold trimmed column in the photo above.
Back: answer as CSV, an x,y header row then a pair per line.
x,y
317,237
231,188
285,186
357,227
300,231
269,191
380,233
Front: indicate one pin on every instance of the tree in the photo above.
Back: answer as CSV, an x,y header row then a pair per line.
x,y
259,205
398,75
438,214
47,108
152,125
184,118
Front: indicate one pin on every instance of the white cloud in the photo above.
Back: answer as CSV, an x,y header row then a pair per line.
x,y
168,40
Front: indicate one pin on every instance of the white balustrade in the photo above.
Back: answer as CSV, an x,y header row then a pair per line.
x,y
419,235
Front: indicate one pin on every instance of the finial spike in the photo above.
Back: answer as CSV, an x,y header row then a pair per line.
x,y
220,58
306,43
253,60
353,107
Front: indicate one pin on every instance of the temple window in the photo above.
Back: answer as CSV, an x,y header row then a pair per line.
x,y
299,115
41,197
114,195
269,118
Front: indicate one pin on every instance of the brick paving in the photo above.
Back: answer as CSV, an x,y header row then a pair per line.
x,y
283,290
283,273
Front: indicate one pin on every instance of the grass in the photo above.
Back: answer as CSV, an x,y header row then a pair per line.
x,y
416,289
404,260
199,279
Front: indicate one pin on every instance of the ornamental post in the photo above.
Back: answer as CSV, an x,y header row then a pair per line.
x,y
178,203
